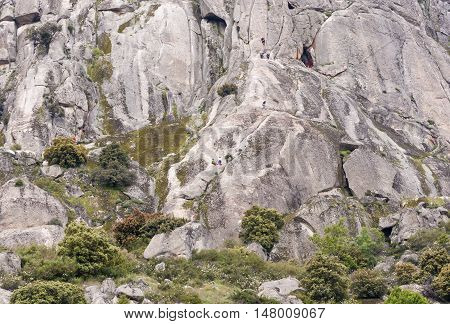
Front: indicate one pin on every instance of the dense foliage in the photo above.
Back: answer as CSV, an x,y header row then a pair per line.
x,y
261,225
66,153
441,283
140,225
114,168
48,292
325,279
42,36
402,296
366,283
433,259
406,273
355,252
92,251
247,296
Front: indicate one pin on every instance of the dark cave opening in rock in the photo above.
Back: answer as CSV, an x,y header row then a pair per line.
x,y
307,58
387,233
214,19
290,6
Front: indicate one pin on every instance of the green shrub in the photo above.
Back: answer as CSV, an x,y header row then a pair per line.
x,y
433,259
261,225
227,89
441,283
48,292
100,70
114,168
428,237
406,273
19,183
174,294
42,36
236,267
10,281
113,153
42,263
92,251
355,253
66,153
247,296
325,279
401,296
367,283
139,225
115,176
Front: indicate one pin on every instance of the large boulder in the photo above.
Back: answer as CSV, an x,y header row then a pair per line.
x,y
5,296
25,212
48,235
314,216
27,12
101,294
10,263
179,243
407,222
132,293
281,290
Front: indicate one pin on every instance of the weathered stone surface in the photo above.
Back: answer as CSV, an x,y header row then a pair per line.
x,y
313,217
179,243
407,222
281,290
7,42
386,264
101,294
53,171
132,293
26,205
10,263
48,235
5,296
160,267
409,256
258,250
27,11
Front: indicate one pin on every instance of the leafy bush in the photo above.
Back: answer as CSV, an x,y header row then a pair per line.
x,y
19,183
144,225
66,153
325,279
433,259
236,267
401,296
113,153
355,253
42,36
174,294
42,263
428,237
92,251
406,273
48,292
441,284
261,225
367,283
247,296
227,89
114,168
10,281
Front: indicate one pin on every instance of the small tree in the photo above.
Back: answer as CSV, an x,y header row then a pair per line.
x,y
401,296
114,168
91,249
325,279
441,284
48,292
261,225
368,284
433,259
66,153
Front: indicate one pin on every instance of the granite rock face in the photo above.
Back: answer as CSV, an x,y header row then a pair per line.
x,y
314,109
